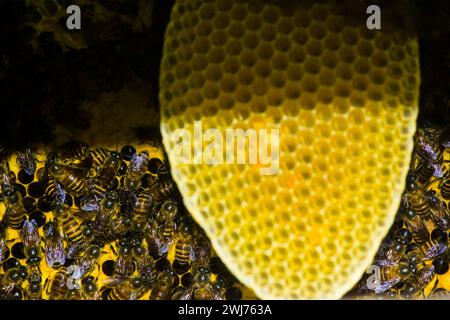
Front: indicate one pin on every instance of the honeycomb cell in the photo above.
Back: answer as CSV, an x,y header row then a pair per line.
x,y
344,100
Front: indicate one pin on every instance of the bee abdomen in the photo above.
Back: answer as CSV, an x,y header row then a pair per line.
x,y
182,251
424,173
73,184
72,230
421,208
445,190
99,190
99,156
143,205
15,220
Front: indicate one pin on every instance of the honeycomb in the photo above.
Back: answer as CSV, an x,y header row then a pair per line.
x,y
344,100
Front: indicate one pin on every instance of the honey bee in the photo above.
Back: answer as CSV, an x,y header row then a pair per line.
x,y
69,178
163,228
131,289
144,205
182,293
84,264
124,266
56,285
202,251
72,229
427,146
31,242
390,276
7,179
55,255
415,224
34,289
439,212
423,277
73,294
103,181
146,267
202,286
26,161
426,171
417,199
15,211
3,242
163,169
163,287
219,290
431,249
440,294
444,186
107,225
52,190
136,170
163,188
9,281
99,157
89,289
393,255
72,152
184,247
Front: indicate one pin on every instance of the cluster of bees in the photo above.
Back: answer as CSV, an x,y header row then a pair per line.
x,y
93,223
414,257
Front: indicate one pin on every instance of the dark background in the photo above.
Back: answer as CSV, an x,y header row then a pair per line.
x,y
44,85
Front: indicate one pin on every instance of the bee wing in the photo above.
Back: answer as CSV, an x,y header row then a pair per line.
x,y
89,204
60,194
435,250
138,293
386,285
75,248
186,294
113,282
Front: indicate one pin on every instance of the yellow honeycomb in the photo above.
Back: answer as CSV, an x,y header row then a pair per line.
x,y
344,99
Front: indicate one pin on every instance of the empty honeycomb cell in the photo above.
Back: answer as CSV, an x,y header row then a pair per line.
x,y
285,25
275,97
299,37
216,54
344,71
277,79
347,54
231,64
239,12
329,59
343,89
236,29
205,28
314,47
312,65
318,30
380,59
350,36
325,95
245,76
302,19
234,47
248,58
345,102
357,99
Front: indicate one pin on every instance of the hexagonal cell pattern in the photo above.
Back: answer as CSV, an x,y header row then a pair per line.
x,y
345,101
